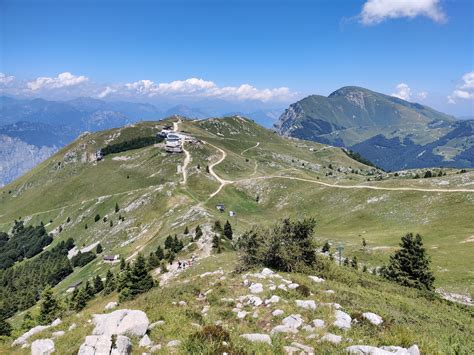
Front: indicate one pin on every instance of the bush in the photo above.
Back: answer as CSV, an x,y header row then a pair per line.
x,y
135,143
288,246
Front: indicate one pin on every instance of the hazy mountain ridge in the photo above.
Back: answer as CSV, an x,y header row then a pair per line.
x,y
393,133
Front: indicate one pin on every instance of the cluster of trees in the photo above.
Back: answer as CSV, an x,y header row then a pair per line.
x,y
173,244
24,242
81,259
219,232
134,143
357,157
22,285
287,246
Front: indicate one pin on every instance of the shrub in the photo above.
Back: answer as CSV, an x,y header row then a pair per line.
x,y
287,246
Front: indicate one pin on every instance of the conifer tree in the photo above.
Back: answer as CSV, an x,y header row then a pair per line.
x,y
89,290
159,253
228,233
140,280
116,207
186,230
80,300
198,233
169,242
50,308
410,265
98,284
109,285
326,247
122,264
98,249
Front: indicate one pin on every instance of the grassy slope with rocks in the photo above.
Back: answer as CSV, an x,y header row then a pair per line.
x,y
284,175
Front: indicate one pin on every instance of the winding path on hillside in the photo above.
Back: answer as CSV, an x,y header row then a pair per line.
x,y
246,150
187,155
222,182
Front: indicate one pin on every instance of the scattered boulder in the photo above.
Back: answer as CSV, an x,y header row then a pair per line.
x,y
42,347
155,348
331,338
373,318
173,343
182,303
204,310
102,344
343,320
319,323
256,288
111,305
256,337
282,287
156,324
266,272
254,300
384,350
273,299
283,329
293,321
242,314
316,279
121,322
293,286
291,350
24,338
277,312
145,342
309,304
72,326
307,349
56,322
58,334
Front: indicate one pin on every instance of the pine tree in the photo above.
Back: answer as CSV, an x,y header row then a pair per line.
x,y
169,242
198,233
109,285
207,169
354,262
98,249
228,233
122,264
140,280
116,207
159,253
410,266
89,290
98,284
326,247
49,309
80,300
123,279
97,218
153,262
186,230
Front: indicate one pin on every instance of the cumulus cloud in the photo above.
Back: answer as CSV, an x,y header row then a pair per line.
x,y
194,87
403,91
464,90
106,92
422,95
63,80
6,79
377,11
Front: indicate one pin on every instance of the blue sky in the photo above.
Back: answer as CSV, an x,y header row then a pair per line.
x,y
283,50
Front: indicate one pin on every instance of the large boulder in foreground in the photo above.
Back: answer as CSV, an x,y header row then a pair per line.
x,y
121,322
102,344
42,347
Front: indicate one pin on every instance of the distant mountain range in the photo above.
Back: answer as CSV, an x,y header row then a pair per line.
x,y
32,130
392,133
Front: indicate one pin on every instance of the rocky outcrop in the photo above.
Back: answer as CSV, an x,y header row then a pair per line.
x,y
39,328
104,344
257,338
121,322
42,347
384,350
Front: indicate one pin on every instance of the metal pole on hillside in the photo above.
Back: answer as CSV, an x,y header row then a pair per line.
x,y
340,248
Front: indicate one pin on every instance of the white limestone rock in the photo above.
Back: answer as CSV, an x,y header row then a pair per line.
x,y
343,320
24,338
145,342
42,347
123,346
254,300
308,304
293,321
307,349
283,329
316,279
121,322
256,288
293,286
110,305
277,312
259,338
173,343
319,323
156,324
58,334
373,318
273,299
331,338
72,326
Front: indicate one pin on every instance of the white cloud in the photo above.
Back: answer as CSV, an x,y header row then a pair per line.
x,y
67,85
403,91
377,11
464,90
207,89
63,80
6,79
422,95
106,92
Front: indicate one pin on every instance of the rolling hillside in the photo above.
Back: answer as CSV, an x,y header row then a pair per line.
x,y
392,133
262,177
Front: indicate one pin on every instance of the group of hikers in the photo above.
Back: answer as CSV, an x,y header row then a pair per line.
x,y
184,264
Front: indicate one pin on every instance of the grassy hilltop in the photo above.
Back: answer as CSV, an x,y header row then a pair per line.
x,y
262,177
